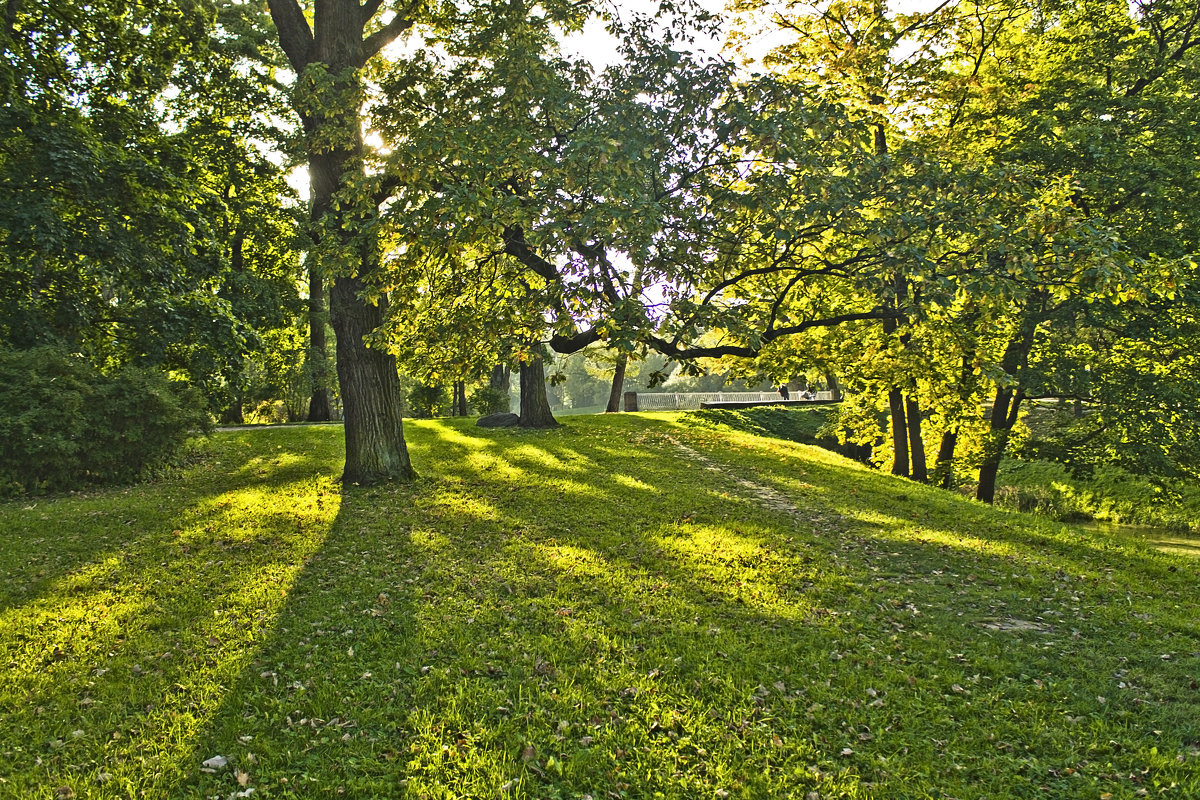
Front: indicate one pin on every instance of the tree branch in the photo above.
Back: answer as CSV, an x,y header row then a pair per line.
x,y
672,350
516,246
295,36
369,9
402,21
573,343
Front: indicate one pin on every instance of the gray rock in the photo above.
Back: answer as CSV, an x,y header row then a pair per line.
x,y
498,421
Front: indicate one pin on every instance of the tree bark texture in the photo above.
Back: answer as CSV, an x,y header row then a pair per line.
x,y
370,384
375,448
320,405
535,405
618,384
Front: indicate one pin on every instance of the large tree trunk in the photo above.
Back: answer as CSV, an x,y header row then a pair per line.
x,y
618,384
320,405
370,384
535,406
375,448
916,444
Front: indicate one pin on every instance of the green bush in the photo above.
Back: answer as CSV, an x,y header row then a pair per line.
x,y
1108,493
64,424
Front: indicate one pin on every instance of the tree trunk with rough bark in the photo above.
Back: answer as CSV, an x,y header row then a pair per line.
x,y
370,385
535,405
320,405
618,384
371,397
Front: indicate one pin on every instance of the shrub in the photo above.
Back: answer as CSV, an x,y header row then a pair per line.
x,y
1108,493
64,424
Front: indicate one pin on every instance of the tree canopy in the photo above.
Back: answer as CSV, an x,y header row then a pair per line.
x,y
954,211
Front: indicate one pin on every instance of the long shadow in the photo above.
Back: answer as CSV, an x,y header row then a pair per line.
x,y
113,660
867,600
576,612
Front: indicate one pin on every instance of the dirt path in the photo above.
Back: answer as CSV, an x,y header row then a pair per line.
x,y
765,495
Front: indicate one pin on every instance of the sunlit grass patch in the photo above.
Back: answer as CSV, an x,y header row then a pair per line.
x,y
584,612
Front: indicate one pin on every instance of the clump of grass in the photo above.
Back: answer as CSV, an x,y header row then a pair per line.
x,y
584,611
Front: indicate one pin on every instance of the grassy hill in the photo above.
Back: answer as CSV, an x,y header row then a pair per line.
x,y
624,607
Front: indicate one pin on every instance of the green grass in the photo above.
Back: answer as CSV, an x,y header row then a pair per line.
x,y
583,612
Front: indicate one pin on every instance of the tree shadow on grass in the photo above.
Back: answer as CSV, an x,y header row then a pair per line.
x,y
579,612
115,660
634,582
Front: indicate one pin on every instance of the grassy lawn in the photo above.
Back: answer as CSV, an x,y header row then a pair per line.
x,y
586,612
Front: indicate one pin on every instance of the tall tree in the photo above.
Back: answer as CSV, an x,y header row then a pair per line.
x,y
328,56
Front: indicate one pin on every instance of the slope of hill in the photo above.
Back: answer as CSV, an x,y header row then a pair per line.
x,y
623,607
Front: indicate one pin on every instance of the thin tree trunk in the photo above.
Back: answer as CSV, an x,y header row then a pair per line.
x,y
535,405
916,444
944,470
233,414
835,388
1005,409
899,433
618,384
1004,413
460,398
320,405
500,381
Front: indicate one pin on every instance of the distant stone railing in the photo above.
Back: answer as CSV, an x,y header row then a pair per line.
x,y
686,401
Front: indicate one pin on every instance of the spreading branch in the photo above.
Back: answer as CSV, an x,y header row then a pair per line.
x,y
402,21
674,351
295,36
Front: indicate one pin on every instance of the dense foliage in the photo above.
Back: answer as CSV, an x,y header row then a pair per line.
x,y
67,425
951,212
